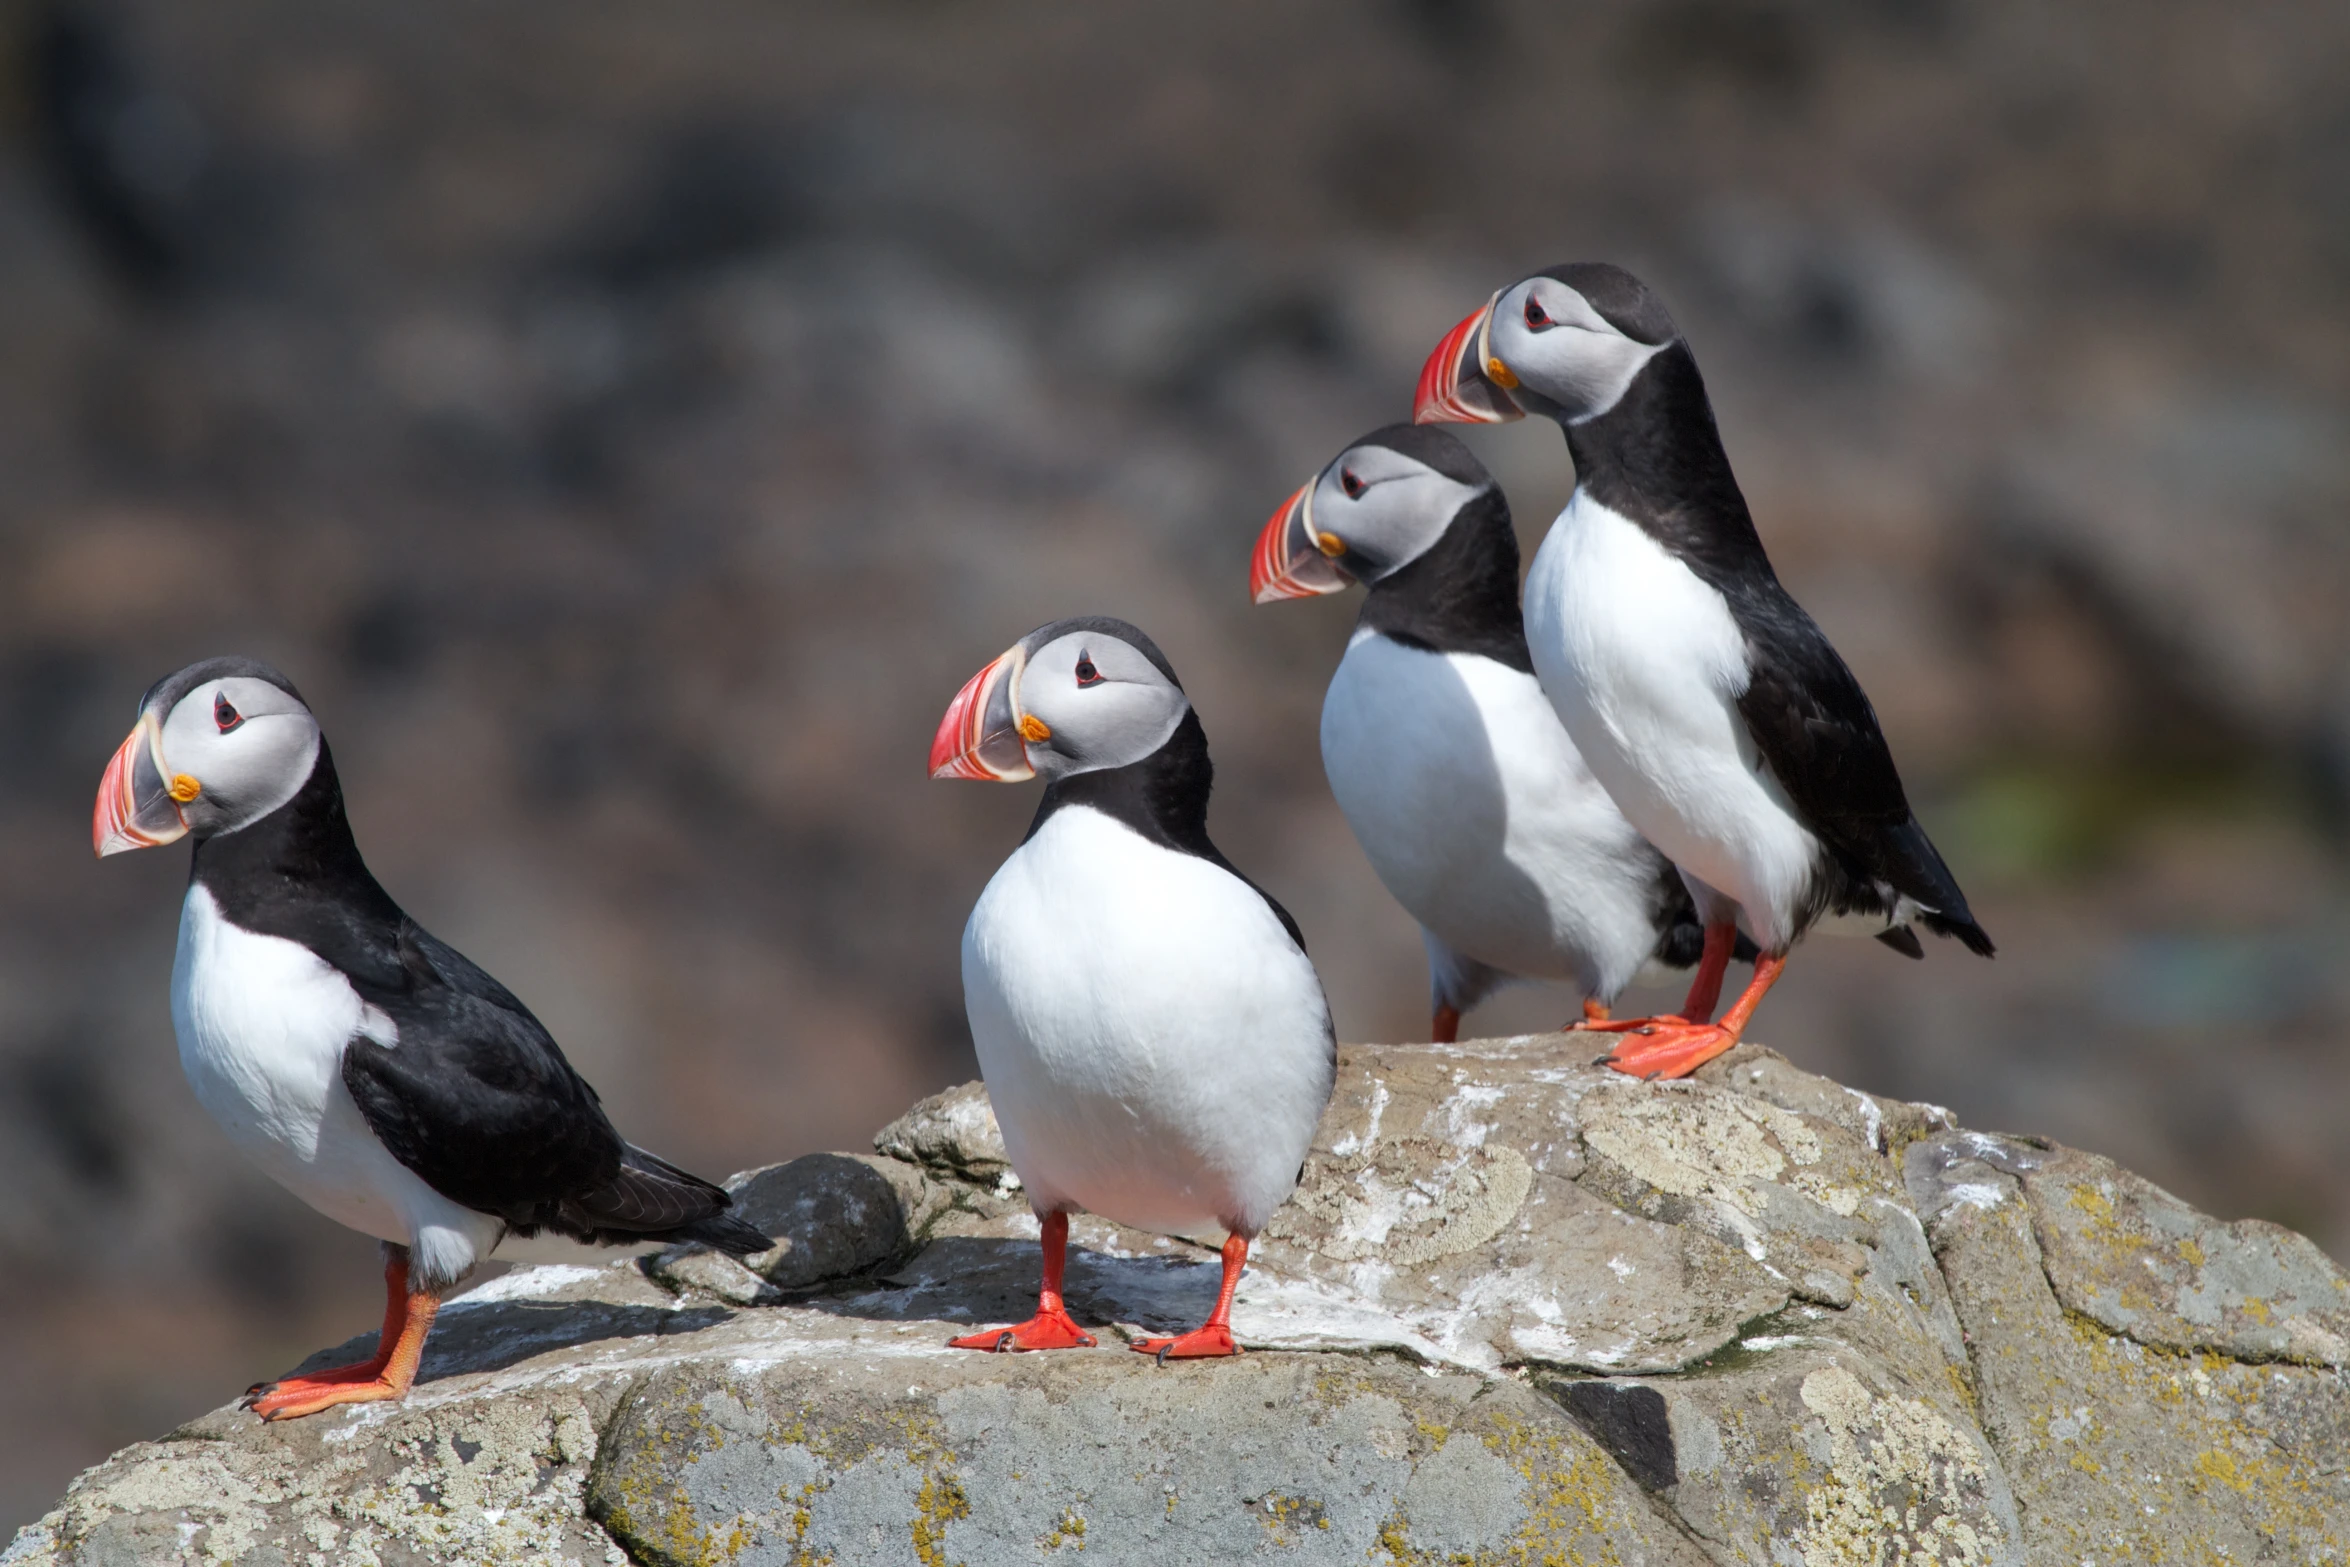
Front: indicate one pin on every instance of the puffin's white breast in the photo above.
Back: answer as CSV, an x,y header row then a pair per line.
x,y
1157,1049
262,1024
1481,817
1644,664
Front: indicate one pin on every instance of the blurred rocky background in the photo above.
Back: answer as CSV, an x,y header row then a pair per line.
x,y
630,424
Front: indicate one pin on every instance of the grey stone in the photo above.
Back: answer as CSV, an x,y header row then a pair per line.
x,y
833,1216
1520,1309
952,1134
2129,1255
965,1458
1800,1450
2124,1451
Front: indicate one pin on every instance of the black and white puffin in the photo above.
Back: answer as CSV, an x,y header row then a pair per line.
x,y
1705,700
1467,796
370,1069
1154,1039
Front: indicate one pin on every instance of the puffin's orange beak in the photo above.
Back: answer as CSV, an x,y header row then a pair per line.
x,y
983,735
1291,560
138,802
1459,384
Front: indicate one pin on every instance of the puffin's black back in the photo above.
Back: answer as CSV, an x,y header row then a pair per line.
x,y
1657,458
476,1098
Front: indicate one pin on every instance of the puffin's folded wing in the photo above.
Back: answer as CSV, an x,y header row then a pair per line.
x,y
1819,736
651,1196
477,1099
481,1105
474,1096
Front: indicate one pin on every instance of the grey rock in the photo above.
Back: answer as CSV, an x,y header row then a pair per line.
x,y
1798,1449
833,1216
952,1134
1521,1309
2130,1256
2124,1451
965,1458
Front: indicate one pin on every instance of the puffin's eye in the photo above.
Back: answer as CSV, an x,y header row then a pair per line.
x,y
1087,675
224,714
1536,317
1353,486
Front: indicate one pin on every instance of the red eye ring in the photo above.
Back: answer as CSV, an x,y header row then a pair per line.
x,y
224,713
1087,675
1536,316
1353,486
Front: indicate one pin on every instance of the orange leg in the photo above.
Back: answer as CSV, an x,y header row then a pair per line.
x,y
1052,1327
387,1374
1705,991
1446,1028
1705,987
1213,1337
1676,1047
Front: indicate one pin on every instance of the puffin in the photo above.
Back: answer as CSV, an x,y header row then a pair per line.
x,y
370,1069
1465,792
1705,700
1154,1039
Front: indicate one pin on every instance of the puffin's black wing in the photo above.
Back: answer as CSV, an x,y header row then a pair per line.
x,y
477,1100
1817,732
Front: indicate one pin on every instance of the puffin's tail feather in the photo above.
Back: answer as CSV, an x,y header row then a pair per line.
x,y
652,1199
1903,940
729,1233
1916,868
1976,939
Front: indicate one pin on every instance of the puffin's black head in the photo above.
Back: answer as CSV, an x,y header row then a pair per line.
x,y
1378,506
1072,697
1565,342
218,746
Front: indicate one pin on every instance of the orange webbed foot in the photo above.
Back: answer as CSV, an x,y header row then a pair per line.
x,y
1045,1330
1618,1025
325,1376
387,1374
1669,1047
1212,1342
294,1397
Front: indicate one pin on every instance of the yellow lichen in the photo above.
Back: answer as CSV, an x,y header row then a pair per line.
x,y
2172,1511
1069,1530
1283,1516
1395,1539
939,1503
1574,1504
1899,1483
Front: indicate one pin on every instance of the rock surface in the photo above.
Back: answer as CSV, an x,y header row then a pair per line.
x,y
1521,1310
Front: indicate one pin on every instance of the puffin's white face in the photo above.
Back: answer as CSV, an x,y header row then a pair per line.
x,y
1104,704
1546,339
1371,512
1542,346
205,758
1071,697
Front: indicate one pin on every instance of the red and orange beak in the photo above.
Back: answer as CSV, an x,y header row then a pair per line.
x,y
1292,560
1462,382
138,799
983,736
